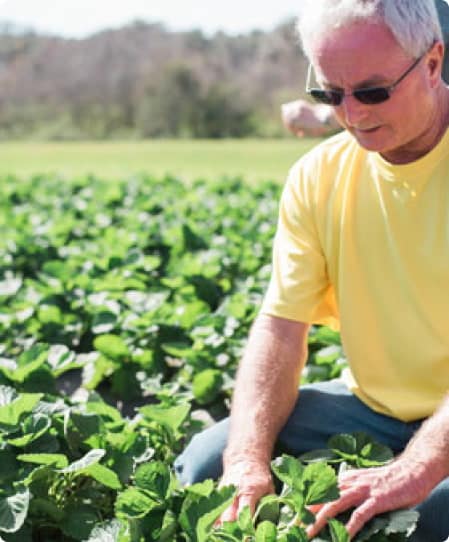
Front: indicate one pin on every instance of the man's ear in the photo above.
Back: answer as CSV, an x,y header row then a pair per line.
x,y
435,63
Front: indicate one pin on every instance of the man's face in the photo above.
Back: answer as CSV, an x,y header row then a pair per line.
x,y
367,55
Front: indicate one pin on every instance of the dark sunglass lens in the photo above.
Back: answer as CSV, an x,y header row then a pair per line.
x,y
372,95
328,97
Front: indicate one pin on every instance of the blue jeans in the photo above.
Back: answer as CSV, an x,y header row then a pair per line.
x,y
322,410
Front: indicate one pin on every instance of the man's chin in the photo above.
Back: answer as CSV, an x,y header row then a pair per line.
x,y
370,139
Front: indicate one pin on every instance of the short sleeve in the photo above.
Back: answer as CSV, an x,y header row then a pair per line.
x,y
299,287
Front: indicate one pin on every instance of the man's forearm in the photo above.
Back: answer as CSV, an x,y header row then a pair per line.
x,y
266,387
429,447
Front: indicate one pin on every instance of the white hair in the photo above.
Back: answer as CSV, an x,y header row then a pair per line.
x,y
414,23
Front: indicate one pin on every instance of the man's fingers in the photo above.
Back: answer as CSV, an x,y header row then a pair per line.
x,y
315,508
361,515
331,510
354,475
233,511
247,500
230,514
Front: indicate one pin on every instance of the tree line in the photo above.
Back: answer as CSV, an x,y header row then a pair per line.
x,y
144,81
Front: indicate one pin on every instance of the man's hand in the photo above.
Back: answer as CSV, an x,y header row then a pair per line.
x,y
253,481
400,484
266,390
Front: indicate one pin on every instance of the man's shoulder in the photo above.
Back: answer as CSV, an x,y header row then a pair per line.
x,y
327,155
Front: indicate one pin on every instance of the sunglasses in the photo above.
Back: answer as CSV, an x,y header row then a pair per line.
x,y
370,95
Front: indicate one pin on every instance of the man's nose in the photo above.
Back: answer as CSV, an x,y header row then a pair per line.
x,y
353,110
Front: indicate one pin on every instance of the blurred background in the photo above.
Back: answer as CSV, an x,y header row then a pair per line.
x,y
192,89
103,70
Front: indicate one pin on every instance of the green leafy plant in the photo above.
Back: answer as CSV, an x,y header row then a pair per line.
x,y
124,310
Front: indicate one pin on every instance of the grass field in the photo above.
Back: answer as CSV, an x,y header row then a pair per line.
x,y
253,159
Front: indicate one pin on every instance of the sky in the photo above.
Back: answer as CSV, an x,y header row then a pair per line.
x,y
79,18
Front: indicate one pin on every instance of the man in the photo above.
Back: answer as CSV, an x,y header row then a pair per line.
x,y
303,118
362,245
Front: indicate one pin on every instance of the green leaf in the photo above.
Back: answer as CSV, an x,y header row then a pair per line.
x,y
91,458
10,286
206,386
105,476
112,346
10,414
266,532
390,523
289,470
294,534
177,349
37,352
199,514
48,314
171,417
204,489
245,521
108,531
103,322
41,507
33,427
61,359
192,241
95,372
42,472
229,532
153,477
320,483
343,444
14,510
58,461
79,521
105,411
46,443
8,466
268,509
134,504
345,447
7,395
375,454
328,355
338,531
86,423
169,527
360,450
56,268
373,527
402,521
319,455
324,335
28,363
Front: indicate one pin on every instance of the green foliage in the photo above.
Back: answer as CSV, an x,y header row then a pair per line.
x,y
142,295
304,485
112,346
206,385
177,104
357,450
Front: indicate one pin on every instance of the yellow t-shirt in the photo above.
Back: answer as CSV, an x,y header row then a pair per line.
x,y
363,246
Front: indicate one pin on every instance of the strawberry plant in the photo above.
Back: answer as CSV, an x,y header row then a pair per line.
x,y
124,309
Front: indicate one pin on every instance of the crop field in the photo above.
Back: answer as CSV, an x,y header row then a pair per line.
x,y
253,160
124,310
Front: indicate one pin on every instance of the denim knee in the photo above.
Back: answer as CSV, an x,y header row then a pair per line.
x,y
202,458
433,523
